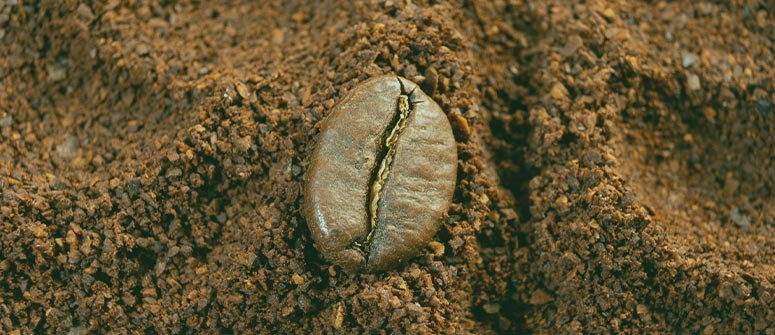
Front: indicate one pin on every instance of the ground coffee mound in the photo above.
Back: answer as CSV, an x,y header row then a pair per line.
x,y
614,166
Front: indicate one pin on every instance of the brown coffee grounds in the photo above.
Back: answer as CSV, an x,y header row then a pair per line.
x,y
615,166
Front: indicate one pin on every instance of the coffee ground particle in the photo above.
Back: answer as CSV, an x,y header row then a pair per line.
x,y
152,158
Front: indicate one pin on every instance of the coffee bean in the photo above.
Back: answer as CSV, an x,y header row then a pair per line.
x,y
381,177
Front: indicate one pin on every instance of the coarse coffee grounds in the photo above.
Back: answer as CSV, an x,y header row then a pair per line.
x,y
615,166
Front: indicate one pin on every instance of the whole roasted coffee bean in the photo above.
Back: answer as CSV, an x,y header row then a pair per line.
x,y
381,177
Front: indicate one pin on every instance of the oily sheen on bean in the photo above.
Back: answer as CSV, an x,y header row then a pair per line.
x,y
381,177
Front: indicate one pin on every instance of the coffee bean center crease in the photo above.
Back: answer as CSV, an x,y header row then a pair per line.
x,y
404,109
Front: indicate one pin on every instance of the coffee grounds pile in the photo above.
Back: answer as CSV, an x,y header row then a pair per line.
x,y
616,169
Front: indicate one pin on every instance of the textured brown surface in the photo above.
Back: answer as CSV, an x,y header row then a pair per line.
x,y
615,166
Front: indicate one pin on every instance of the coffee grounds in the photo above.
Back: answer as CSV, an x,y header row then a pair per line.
x,y
615,166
